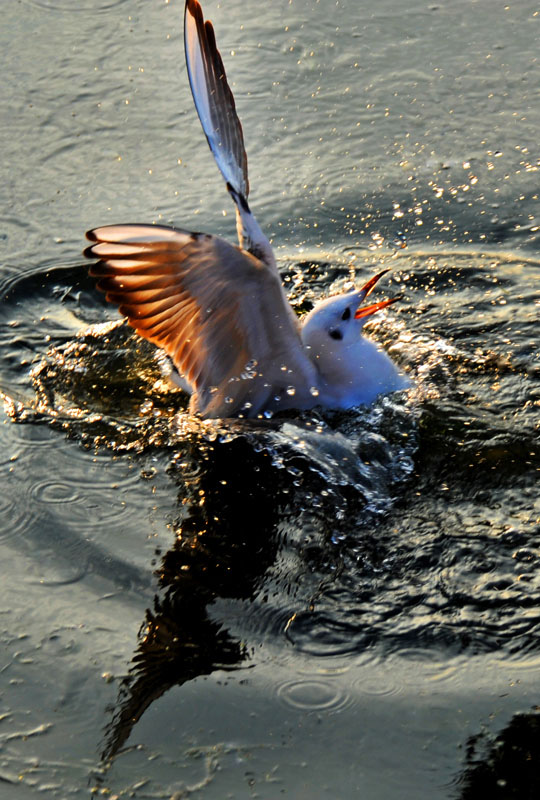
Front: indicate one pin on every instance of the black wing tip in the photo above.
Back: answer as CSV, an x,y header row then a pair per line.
x,y
194,8
88,252
211,42
238,198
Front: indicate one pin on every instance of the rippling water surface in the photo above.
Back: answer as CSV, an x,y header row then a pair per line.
x,y
318,605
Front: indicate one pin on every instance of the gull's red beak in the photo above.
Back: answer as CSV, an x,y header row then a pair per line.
x,y
367,311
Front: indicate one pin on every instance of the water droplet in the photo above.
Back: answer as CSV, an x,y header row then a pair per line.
x,y
229,400
249,370
247,406
399,242
291,391
283,368
267,414
314,391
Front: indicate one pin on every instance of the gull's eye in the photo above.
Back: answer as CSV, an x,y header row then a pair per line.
x,y
336,334
346,314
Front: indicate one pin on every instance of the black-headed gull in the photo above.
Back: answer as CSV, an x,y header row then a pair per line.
x,y
219,310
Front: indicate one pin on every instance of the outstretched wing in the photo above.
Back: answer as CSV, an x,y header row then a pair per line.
x,y
217,311
213,99
217,112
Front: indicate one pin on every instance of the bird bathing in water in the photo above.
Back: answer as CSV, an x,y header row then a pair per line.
x,y
219,310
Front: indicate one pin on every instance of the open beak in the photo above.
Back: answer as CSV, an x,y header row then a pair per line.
x,y
367,311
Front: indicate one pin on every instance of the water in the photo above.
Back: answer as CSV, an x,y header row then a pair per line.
x,y
318,605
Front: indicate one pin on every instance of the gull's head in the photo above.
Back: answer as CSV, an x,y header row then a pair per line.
x,y
353,370
337,322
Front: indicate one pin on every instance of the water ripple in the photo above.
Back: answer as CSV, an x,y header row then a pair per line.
x,y
64,5
377,685
324,635
313,695
50,491
15,517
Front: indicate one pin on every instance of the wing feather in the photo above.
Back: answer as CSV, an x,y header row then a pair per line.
x,y
217,311
213,98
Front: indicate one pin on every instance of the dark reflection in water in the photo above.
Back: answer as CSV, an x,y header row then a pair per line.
x,y
223,546
240,510
505,766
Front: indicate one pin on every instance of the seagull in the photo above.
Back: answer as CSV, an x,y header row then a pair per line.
x,y
218,310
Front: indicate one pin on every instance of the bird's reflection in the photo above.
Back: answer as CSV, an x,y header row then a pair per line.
x,y
246,496
225,540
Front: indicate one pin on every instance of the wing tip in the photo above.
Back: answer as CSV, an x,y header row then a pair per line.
x,y
194,8
213,97
88,252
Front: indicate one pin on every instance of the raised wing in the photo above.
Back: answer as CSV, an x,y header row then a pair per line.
x,y
213,99
217,112
217,311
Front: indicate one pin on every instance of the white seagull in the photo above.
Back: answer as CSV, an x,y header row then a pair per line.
x,y
218,310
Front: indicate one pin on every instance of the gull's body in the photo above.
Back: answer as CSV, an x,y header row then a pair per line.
x,y
219,311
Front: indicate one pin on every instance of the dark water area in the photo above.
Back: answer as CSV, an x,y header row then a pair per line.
x,y
318,605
